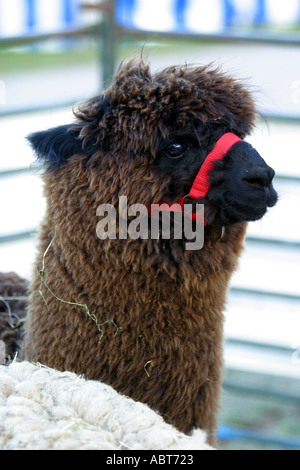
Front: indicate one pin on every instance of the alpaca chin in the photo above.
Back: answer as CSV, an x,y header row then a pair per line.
x,y
256,206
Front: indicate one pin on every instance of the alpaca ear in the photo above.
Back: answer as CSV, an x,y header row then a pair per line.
x,y
56,146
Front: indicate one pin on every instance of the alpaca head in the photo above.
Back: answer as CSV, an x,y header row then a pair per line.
x,y
161,127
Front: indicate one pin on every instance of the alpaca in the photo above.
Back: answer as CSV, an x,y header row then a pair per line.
x,y
145,315
13,305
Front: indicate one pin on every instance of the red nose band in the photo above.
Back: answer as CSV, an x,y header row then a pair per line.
x,y
201,183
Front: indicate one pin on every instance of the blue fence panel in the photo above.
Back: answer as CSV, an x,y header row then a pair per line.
x,y
21,17
124,12
202,16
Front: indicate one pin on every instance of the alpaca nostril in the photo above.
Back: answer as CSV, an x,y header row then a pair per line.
x,y
259,178
255,182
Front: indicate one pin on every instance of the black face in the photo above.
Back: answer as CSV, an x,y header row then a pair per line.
x,y
240,184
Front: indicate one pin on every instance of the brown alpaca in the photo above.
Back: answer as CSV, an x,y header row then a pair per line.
x,y
145,316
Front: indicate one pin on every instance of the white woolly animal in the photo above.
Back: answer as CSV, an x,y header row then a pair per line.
x,y
43,409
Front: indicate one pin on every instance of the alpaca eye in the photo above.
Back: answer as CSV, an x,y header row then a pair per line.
x,y
175,150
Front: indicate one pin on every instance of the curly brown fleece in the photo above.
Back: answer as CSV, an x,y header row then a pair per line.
x,y
159,307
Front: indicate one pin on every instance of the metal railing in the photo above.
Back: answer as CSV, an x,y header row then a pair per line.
x,y
109,35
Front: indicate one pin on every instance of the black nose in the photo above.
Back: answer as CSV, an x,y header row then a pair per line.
x,y
259,176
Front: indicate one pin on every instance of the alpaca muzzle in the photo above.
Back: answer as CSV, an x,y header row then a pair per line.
x,y
201,183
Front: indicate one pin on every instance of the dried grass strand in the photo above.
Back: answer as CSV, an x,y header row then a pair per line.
x,y
14,321
92,316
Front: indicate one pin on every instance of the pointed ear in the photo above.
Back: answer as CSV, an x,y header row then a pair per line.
x,y
56,146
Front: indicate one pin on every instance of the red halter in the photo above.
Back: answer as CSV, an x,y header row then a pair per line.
x,y
201,183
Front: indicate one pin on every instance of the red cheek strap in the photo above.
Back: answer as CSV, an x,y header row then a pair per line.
x,y
201,183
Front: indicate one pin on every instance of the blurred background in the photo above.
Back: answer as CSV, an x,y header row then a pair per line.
x,y
56,53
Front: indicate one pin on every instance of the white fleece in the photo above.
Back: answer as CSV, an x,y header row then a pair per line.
x,y
43,409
